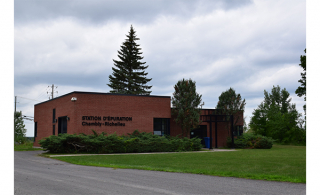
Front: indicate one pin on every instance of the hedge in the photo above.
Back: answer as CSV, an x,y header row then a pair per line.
x,y
249,140
132,143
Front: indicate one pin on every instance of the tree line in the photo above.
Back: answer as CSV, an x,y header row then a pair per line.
x,y
275,117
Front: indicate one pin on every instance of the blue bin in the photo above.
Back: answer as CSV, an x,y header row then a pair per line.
x,y
207,142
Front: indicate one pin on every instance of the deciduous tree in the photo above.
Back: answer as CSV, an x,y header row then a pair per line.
x,y
301,90
19,128
277,117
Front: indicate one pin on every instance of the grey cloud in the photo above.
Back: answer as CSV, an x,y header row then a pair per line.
x,y
216,51
97,11
99,79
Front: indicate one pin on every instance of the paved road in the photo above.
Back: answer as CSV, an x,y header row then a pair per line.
x,y
37,175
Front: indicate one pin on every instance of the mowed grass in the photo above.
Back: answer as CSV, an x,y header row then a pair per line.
x,y
281,163
28,146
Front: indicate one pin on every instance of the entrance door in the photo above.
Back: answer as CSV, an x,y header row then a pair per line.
x,y
62,125
200,132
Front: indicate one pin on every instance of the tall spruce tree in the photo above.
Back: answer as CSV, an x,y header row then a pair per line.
x,y
129,76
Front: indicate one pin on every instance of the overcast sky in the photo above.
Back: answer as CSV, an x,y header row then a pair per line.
x,y
250,46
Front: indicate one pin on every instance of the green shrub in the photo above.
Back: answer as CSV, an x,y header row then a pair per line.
x,y
263,143
249,140
133,143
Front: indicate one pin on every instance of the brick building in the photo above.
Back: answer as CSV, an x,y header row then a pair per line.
x,y
80,112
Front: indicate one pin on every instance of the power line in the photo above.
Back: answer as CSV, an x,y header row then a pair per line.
x,y
21,104
42,93
43,97
28,98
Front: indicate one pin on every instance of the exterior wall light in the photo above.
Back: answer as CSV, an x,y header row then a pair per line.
x,y
73,99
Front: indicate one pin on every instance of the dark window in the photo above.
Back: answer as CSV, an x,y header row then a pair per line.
x,y
200,132
238,131
35,129
62,125
161,126
54,130
54,115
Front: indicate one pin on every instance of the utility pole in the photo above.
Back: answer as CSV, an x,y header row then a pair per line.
x,y
15,104
52,91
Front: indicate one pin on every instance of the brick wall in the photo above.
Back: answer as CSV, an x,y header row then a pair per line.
x,y
142,109
223,130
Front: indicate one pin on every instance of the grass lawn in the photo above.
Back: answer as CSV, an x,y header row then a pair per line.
x,y
281,163
28,146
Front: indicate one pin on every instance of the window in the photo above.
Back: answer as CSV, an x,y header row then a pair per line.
x,y
62,125
54,130
35,129
54,115
238,131
161,126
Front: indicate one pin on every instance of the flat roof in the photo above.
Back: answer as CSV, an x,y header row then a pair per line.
x,y
101,93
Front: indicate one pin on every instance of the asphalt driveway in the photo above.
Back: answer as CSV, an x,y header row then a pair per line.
x,y
38,175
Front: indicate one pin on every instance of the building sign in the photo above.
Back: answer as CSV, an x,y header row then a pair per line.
x,y
102,121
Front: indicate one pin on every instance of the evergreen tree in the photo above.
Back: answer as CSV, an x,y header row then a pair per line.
x,y
186,103
129,76
19,128
231,104
301,90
